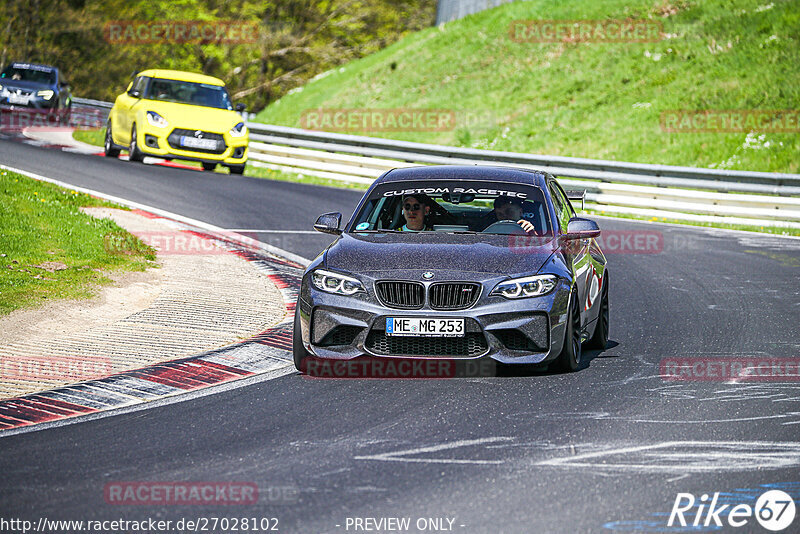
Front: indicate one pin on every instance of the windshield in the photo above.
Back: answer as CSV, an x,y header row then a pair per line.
x,y
29,74
198,94
458,206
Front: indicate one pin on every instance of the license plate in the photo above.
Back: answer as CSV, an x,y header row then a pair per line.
x,y
422,326
18,99
193,142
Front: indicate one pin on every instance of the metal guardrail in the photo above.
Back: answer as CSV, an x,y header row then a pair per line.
x,y
686,193
676,203
449,10
93,103
608,171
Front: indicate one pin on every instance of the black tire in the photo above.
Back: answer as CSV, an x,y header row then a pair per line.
x,y
298,349
135,154
570,357
111,150
209,166
599,339
236,169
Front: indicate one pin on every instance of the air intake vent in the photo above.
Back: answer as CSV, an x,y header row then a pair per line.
x,y
453,295
403,295
515,340
341,335
473,344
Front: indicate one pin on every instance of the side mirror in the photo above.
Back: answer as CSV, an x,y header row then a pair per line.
x,y
134,93
240,107
329,223
579,228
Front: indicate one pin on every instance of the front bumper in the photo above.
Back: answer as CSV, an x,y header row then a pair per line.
x,y
524,331
32,104
164,143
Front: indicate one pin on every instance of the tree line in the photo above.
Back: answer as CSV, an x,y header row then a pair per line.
x,y
260,48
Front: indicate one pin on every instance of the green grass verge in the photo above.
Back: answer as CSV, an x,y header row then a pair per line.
x,y
593,100
92,137
40,222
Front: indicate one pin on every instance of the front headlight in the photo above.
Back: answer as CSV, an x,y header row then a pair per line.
x,y
239,130
47,94
529,286
335,282
156,120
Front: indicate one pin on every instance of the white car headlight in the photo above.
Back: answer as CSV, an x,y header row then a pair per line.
x,y
529,286
335,282
47,94
156,120
239,130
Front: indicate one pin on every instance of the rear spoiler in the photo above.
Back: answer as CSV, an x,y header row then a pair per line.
x,y
578,195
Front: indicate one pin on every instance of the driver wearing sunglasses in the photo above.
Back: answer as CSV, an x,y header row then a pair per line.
x,y
415,212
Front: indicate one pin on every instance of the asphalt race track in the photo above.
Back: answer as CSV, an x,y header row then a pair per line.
x,y
608,447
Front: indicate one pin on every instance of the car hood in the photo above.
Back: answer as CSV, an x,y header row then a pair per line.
x,y
192,117
398,252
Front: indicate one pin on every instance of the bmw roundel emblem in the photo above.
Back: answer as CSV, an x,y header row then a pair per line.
x,y
427,275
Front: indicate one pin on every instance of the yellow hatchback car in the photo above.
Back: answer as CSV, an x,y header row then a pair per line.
x,y
173,114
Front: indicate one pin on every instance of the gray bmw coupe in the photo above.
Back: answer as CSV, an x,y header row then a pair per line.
x,y
460,263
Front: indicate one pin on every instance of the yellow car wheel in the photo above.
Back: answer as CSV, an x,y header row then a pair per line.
x,y
135,153
111,150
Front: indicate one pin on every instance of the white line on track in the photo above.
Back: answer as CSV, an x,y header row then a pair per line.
x,y
687,457
704,229
402,456
252,231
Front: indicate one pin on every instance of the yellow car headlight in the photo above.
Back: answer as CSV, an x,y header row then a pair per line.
x,y
239,130
47,94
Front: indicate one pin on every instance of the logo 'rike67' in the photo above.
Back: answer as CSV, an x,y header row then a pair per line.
x,y
774,510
